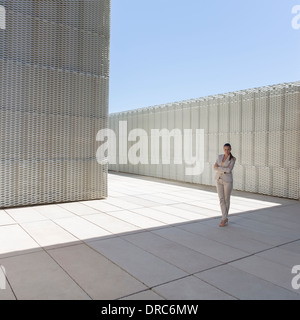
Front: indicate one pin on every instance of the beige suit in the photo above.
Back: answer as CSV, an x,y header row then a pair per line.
x,y
224,181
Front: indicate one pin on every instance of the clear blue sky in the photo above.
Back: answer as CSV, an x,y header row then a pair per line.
x,y
171,50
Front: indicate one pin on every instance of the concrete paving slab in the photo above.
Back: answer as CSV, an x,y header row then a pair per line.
x,y
6,219
281,256
7,294
111,224
281,232
270,271
200,208
101,206
248,231
14,239
77,208
48,233
144,266
157,198
36,276
148,295
174,253
211,248
225,236
181,213
165,218
173,197
291,208
282,223
277,217
244,285
81,228
123,203
139,220
96,275
53,211
22,215
293,247
205,206
191,288
253,203
205,209
141,202
191,195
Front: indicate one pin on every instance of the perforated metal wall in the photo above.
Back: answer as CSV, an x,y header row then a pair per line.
x,y
54,64
262,124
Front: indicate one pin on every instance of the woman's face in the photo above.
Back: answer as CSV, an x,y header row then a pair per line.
x,y
227,150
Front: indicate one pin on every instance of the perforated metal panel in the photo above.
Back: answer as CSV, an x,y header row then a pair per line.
x,y
54,64
262,124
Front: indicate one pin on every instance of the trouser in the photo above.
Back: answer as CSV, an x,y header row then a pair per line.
x,y
224,191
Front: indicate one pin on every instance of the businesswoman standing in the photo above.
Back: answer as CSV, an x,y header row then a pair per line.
x,y
224,166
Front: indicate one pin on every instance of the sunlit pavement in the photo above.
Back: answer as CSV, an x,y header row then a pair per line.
x,y
155,240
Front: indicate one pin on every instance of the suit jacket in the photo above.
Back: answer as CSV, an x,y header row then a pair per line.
x,y
225,172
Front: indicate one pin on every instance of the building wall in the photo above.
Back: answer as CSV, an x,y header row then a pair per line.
x,y
263,126
54,64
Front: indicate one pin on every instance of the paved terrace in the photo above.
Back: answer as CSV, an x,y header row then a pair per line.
x,y
152,240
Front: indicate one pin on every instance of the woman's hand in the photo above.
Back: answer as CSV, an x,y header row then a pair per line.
x,y
216,166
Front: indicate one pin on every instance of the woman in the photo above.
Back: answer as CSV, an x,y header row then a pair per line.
x,y
224,166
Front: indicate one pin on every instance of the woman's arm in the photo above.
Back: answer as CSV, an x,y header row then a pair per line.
x,y
216,166
229,168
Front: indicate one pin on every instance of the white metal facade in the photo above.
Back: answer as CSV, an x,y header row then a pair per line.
x,y
54,65
262,124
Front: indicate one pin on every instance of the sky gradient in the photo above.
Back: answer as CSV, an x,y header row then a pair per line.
x,y
169,50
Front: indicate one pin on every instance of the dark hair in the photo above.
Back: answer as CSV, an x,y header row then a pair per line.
x,y
229,145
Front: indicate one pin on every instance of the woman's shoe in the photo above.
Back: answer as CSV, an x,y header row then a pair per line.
x,y
223,223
